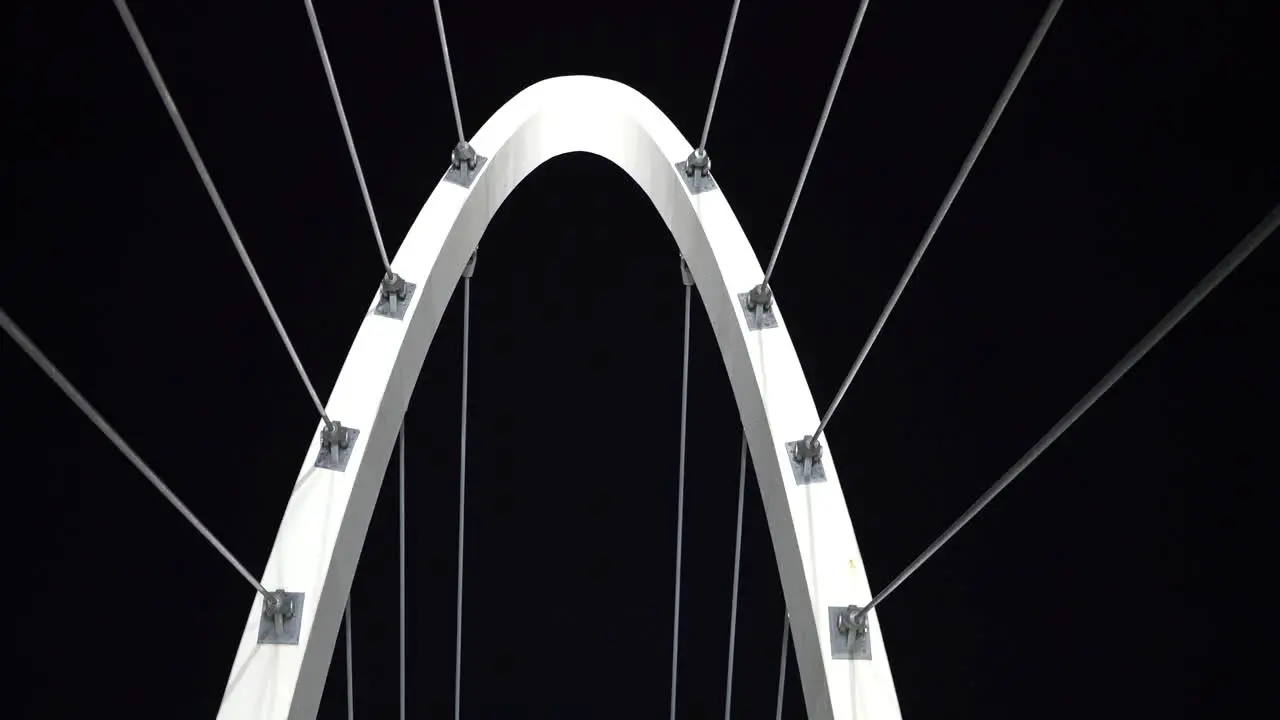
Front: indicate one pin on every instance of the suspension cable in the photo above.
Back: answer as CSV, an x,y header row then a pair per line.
x,y
351,684
402,592
169,104
1162,328
956,184
448,70
462,494
684,416
813,145
737,565
346,132
782,666
33,352
715,88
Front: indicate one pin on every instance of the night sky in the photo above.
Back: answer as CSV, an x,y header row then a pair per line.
x,y
1139,149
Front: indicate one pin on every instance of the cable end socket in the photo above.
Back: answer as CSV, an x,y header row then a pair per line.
x,y
685,274
696,171
336,444
470,268
281,622
464,165
757,307
850,633
760,298
394,296
806,460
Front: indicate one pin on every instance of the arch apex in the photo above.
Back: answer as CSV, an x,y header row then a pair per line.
x,y
321,532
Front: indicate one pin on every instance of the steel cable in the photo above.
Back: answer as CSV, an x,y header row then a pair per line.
x,y
1162,328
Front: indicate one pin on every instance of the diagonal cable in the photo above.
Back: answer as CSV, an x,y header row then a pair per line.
x,y
684,416
33,352
737,566
813,145
462,494
169,105
346,132
715,88
1162,328
956,184
448,69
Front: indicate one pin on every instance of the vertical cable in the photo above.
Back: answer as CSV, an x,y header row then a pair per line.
x,y
684,415
351,685
402,589
737,565
782,666
462,493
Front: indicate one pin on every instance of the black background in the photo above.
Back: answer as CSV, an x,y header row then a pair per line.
x,y
1138,150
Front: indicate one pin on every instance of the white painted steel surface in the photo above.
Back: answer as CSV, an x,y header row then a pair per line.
x,y
324,525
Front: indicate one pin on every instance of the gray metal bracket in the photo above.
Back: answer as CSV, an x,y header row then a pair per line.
x,y
696,171
757,308
464,165
685,275
470,268
806,460
850,634
336,444
396,293
281,622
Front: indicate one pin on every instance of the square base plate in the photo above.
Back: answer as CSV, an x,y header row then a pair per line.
x,y
767,318
816,471
384,303
326,460
289,631
696,183
851,645
458,176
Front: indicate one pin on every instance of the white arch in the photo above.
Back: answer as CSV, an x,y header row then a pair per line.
x,y
324,525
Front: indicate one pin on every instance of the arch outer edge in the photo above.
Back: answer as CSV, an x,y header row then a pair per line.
x,y
327,517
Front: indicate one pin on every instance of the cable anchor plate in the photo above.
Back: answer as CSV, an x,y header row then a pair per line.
x,y
850,633
464,165
394,296
806,460
336,445
757,307
696,172
686,275
470,268
281,622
